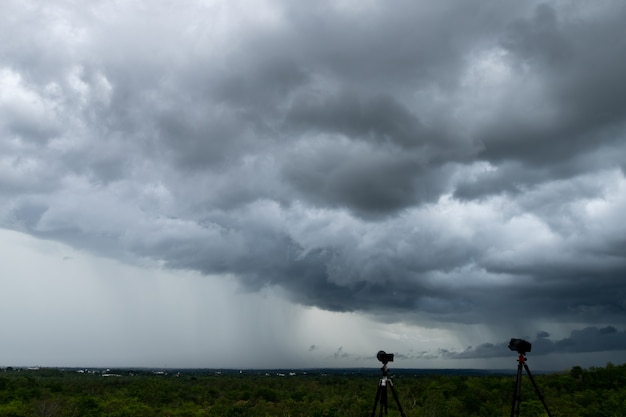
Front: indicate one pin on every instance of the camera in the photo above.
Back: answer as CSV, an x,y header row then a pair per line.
x,y
520,345
384,357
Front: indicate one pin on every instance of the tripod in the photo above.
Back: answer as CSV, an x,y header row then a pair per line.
x,y
381,394
521,361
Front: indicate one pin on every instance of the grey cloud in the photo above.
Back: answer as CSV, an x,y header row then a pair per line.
x,y
579,64
588,339
340,353
365,180
386,46
380,119
425,162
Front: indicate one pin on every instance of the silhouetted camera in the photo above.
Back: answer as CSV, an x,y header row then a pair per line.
x,y
384,357
520,345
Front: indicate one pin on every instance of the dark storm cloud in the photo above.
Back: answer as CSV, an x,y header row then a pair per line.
x,y
379,119
579,63
445,162
589,339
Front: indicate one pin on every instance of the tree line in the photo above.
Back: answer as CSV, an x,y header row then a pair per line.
x,y
580,392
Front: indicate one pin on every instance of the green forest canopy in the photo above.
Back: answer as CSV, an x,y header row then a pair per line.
x,y
55,392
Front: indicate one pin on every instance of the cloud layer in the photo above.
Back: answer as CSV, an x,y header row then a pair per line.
x,y
589,339
432,162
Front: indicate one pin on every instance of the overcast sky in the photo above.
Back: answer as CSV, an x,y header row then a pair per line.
x,y
267,183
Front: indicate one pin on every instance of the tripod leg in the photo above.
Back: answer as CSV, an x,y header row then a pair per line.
x,y
517,391
537,389
395,397
383,400
378,395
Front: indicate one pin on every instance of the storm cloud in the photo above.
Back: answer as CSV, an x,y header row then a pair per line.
x,y
435,163
589,339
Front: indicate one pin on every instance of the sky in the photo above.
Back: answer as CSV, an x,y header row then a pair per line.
x,y
269,183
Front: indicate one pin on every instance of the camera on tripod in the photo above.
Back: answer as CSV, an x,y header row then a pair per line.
x,y
385,382
520,346
384,357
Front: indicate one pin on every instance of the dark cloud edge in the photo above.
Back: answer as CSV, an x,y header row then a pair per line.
x,y
586,340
